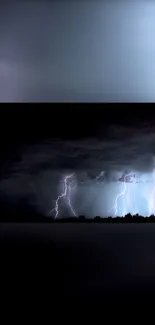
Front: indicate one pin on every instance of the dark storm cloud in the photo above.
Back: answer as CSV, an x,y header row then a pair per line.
x,y
40,170
123,148
77,50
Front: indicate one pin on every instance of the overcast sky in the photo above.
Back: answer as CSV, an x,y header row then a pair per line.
x,y
77,50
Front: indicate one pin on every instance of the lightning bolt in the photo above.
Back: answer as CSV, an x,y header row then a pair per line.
x,y
66,194
69,200
115,206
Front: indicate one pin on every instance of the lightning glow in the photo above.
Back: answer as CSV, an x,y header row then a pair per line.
x,y
66,194
129,192
69,200
120,195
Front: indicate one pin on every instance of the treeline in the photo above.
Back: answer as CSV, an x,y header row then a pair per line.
x,y
126,219
30,215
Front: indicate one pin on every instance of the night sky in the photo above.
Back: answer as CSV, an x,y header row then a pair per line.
x,y
74,51
99,145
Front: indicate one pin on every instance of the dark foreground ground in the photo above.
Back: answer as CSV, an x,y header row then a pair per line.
x,y
78,259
